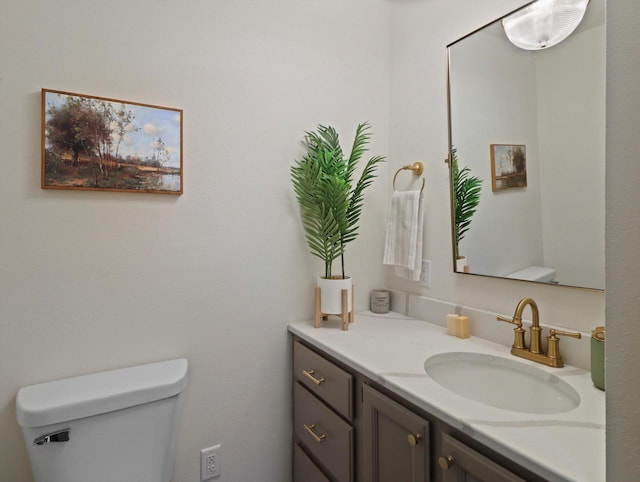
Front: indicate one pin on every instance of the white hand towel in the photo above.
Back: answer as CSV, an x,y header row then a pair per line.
x,y
403,246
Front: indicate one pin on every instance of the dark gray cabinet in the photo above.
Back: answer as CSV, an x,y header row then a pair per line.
x,y
347,428
395,441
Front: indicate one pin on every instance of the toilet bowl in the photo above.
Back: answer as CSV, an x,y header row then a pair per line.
x,y
111,426
535,273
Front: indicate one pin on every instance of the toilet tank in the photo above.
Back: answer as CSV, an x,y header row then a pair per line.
x,y
535,273
118,425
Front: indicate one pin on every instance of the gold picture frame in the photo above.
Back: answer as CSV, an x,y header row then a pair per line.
x,y
94,143
508,166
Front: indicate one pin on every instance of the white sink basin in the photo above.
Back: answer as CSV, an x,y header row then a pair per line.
x,y
502,382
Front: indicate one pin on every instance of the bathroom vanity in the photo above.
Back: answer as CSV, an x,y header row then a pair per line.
x,y
364,410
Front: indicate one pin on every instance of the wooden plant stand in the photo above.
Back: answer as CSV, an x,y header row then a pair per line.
x,y
345,315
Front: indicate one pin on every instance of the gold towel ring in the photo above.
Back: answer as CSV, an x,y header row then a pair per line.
x,y
417,168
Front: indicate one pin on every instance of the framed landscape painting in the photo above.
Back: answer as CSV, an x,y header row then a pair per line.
x,y
508,166
99,144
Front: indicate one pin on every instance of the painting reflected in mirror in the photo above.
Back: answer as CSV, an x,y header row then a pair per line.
x,y
531,124
508,166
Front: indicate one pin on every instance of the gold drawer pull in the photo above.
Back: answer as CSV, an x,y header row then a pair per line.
x,y
414,439
309,375
317,438
445,462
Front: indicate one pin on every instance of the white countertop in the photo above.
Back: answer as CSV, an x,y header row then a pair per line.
x,y
391,349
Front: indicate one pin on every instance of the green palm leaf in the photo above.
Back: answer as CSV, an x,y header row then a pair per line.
x,y
330,204
467,190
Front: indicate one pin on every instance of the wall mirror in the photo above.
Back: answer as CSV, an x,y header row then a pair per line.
x,y
531,125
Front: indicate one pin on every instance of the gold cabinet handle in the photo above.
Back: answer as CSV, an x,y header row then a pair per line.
x,y
414,439
309,375
316,437
445,462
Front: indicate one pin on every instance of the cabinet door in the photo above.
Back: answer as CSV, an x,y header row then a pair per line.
x,y
395,441
461,463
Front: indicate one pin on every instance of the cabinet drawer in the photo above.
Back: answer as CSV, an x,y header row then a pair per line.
x,y
323,378
304,470
324,434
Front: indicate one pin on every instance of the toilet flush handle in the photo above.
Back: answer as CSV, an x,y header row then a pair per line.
x,y
58,436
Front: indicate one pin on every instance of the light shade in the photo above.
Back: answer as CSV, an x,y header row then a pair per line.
x,y
544,23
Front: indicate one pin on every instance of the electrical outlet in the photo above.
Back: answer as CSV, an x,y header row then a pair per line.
x,y
425,274
211,463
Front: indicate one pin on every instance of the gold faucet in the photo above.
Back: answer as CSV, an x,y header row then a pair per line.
x,y
534,353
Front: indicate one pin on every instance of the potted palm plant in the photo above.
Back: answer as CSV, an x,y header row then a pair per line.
x,y
331,202
466,198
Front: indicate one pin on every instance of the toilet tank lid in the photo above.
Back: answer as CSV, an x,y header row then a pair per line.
x,y
533,273
83,396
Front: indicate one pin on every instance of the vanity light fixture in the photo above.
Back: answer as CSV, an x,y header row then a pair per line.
x,y
544,23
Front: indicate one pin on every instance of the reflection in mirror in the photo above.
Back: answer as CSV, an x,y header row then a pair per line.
x,y
531,125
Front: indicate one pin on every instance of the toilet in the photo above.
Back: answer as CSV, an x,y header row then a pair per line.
x,y
535,273
118,425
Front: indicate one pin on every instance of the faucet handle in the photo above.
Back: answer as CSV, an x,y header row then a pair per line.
x,y
553,345
518,331
553,333
513,321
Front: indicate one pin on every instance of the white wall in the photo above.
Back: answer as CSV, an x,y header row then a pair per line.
x,y
92,281
572,167
622,240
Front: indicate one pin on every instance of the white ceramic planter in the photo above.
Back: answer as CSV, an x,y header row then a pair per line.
x,y
331,294
461,264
